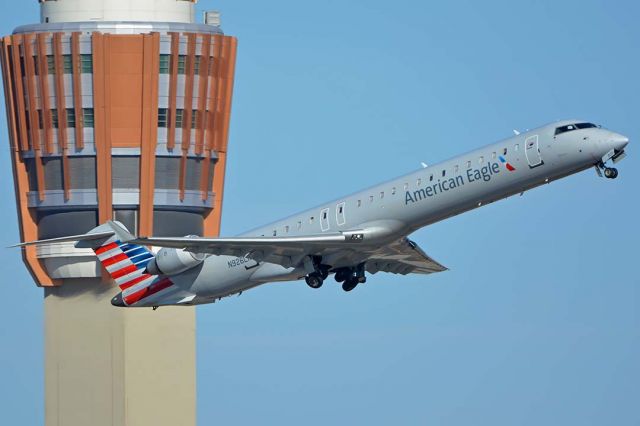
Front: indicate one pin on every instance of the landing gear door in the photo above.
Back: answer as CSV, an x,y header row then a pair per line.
x,y
532,151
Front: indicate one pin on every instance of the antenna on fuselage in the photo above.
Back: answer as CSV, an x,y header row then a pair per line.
x,y
424,165
515,132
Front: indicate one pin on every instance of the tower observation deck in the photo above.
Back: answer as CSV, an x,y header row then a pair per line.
x,y
117,109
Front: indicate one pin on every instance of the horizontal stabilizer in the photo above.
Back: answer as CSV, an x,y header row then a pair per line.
x,y
94,237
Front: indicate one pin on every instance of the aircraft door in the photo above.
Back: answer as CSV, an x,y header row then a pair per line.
x,y
532,151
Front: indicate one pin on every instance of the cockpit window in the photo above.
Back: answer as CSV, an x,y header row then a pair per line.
x,y
585,125
570,127
564,129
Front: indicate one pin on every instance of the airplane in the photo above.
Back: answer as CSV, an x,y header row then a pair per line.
x,y
366,232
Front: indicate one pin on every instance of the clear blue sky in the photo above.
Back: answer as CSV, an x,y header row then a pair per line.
x,y
538,321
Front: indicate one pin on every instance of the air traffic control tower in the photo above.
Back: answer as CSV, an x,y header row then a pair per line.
x,y
117,109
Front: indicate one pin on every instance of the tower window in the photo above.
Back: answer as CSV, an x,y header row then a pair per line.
x,y
181,63
179,116
165,61
86,64
87,117
163,117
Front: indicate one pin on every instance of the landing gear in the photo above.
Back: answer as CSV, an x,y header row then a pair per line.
x,y
351,277
316,271
610,172
342,275
350,284
314,280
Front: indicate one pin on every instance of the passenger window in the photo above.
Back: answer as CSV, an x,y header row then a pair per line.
x,y
299,224
455,169
275,233
406,186
493,155
430,178
393,191
381,195
516,147
504,152
468,164
340,210
286,229
444,172
311,219
324,215
481,160
359,203
419,182
371,198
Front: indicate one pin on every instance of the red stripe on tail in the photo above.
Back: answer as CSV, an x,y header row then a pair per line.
x,y
106,248
134,281
115,259
124,271
148,291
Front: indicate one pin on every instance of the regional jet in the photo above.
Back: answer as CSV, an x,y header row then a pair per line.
x,y
366,232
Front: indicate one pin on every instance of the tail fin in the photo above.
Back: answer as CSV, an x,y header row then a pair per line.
x,y
126,263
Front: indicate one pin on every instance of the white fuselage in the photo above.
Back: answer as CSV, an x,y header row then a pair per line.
x,y
400,206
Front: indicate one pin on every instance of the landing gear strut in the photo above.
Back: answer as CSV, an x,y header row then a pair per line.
x,y
317,272
609,172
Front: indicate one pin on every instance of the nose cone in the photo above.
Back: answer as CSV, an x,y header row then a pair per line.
x,y
117,301
618,141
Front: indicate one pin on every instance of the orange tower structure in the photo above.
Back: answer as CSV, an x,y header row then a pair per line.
x,y
119,110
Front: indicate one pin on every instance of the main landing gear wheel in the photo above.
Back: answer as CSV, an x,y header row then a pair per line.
x,y
350,284
610,172
314,280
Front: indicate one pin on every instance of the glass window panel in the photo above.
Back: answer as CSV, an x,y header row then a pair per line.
x,y
163,117
179,115
71,117
87,117
86,64
165,61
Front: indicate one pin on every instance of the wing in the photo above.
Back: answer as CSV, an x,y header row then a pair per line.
x,y
347,248
402,257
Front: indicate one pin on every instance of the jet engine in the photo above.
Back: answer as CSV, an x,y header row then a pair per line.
x,y
172,261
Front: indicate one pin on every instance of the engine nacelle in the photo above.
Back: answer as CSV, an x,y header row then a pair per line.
x,y
171,261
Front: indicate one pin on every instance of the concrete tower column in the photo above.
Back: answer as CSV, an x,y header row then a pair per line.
x,y
117,109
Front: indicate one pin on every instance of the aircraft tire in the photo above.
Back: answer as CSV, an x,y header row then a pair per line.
x,y
350,284
314,280
611,173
